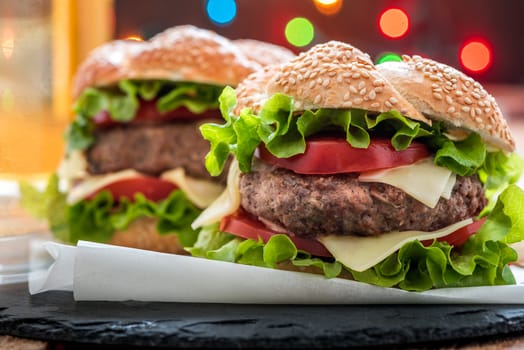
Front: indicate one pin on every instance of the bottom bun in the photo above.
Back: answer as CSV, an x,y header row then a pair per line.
x,y
142,234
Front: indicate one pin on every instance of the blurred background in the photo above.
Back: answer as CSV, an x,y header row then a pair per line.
x,y
43,41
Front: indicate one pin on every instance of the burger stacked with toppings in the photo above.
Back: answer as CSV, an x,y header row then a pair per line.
x,y
398,175
135,158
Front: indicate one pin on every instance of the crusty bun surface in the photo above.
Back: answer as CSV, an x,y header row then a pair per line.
x,y
142,234
264,53
183,53
446,94
330,75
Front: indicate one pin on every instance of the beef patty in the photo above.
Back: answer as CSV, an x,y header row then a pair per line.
x,y
151,149
316,205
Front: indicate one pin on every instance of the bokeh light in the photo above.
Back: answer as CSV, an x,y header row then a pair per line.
x,y
134,37
299,32
388,57
328,7
394,23
476,55
221,11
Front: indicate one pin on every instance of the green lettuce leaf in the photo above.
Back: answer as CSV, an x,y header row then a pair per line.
x,y
284,133
49,204
122,103
482,260
98,219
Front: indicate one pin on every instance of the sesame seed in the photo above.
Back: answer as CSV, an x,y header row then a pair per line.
x,y
332,73
437,90
472,112
437,96
292,81
361,85
346,74
459,93
449,99
340,79
379,89
355,75
487,110
393,100
372,95
286,89
353,89
468,100
317,99
478,111
465,109
475,95
434,77
365,74
388,104
358,100
481,103
362,92
378,83
451,110
465,88
346,96
325,83
312,84
375,105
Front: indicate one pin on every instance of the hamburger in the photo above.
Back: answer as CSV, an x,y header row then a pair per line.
x,y
398,175
134,165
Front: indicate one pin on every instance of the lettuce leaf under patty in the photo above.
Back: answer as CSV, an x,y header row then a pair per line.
x,y
122,103
99,218
482,260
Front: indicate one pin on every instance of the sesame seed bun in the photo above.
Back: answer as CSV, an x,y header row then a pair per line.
x,y
142,234
183,53
443,93
330,75
262,52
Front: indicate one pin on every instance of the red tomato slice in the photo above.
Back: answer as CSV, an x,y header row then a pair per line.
x,y
147,113
330,155
152,188
460,236
245,226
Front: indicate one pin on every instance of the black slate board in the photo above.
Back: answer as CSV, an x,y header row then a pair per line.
x,y
55,316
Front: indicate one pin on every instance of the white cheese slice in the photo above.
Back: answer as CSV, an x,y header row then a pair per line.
x,y
361,253
423,180
73,166
94,183
446,193
227,203
201,192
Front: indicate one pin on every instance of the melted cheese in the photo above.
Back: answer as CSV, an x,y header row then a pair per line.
x,y
423,180
201,192
361,253
227,203
95,183
73,166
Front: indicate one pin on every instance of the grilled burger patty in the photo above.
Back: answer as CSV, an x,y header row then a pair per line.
x,y
150,149
314,205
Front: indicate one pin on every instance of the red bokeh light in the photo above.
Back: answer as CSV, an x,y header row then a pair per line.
x,y
476,55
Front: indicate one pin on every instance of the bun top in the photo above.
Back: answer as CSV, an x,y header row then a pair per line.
x,y
443,93
183,53
262,52
329,75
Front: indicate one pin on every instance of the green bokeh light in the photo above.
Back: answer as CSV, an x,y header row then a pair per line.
x,y
389,57
299,31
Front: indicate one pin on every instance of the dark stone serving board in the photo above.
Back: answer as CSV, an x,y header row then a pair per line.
x,y
56,317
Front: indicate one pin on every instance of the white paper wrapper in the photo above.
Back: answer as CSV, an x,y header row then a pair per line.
x,y
103,272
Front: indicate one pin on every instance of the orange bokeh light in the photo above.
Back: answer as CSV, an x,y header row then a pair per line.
x,y
328,7
134,37
476,56
394,23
